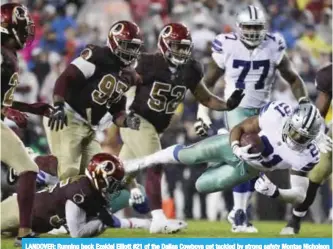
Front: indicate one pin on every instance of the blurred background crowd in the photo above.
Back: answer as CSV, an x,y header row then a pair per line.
x,y
64,27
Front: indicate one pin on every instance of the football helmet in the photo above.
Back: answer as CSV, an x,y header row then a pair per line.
x,y
16,23
251,24
125,41
302,127
175,43
106,172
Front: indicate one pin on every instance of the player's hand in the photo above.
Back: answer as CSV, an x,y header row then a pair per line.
x,y
243,152
235,98
264,186
201,127
324,142
42,109
136,197
132,121
19,118
58,117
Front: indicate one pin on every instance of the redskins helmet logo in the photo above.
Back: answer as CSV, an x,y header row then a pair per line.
x,y
19,13
117,29
167,31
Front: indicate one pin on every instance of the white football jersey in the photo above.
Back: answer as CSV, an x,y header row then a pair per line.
x,y
251,70
277,155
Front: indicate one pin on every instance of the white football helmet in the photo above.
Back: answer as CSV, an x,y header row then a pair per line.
x,y
302,127
251,23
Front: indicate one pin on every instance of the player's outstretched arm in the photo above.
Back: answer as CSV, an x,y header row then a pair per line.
x,y
288,72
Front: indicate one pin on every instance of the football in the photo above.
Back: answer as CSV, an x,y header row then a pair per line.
x,y
254,139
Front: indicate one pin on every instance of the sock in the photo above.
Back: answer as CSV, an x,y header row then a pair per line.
x,y
121,223
165,156
310,196
25,197
158,214
153,187
241,196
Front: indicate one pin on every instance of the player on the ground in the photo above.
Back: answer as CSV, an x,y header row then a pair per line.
x,y
323,169
287,137
17,30
79,202
248,59
91,92
166,76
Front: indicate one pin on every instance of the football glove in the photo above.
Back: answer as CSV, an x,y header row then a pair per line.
x,y
235,98
136,196
243,152
58,117
324,142
16,116
106,217
264,186
132,121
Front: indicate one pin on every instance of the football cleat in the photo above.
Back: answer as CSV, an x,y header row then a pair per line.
x,y
239,221
292,228
60,230
167,226
18,240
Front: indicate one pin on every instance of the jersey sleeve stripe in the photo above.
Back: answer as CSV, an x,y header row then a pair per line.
x,y
217,46
87,68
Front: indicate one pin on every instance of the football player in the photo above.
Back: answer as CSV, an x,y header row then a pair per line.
x,y
288,138
166,76
248,59
17,30
88,92
323,170
79,202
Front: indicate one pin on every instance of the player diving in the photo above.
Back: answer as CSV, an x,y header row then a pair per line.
x,y
287,140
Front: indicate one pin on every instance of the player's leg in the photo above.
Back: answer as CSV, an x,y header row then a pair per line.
x,y
65,144
318,175
14,154
242,192
142,143
90,147
10,219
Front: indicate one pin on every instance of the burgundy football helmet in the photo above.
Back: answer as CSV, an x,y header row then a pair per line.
x,y
175,43
106,172
125,41
16,23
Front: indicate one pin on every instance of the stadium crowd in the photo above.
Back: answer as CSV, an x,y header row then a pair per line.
x,y
63,28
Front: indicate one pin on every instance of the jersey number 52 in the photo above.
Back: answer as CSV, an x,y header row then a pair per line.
x,y
165,97
256,65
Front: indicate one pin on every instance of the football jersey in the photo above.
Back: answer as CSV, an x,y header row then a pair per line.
x,y
49,204
277,155
102,88
9,76
251,70
162,89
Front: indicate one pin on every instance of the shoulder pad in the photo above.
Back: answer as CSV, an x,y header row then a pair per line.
x,y
278,40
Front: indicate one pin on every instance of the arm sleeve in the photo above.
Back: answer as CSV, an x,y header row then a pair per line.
x,y
77,222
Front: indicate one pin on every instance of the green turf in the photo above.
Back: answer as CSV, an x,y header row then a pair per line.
x,y
205,229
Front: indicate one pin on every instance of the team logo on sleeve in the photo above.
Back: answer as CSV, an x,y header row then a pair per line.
x,y
86,53
78,198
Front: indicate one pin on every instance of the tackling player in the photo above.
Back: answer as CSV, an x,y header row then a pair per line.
x,y
249,60
323,170
17,30
166,76
89,93
79,202
288,140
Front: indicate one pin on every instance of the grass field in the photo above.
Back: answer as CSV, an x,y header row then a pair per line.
x,y
205,229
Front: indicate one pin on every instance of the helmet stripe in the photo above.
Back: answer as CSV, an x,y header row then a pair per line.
x,y
255,13
309,118
250,12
